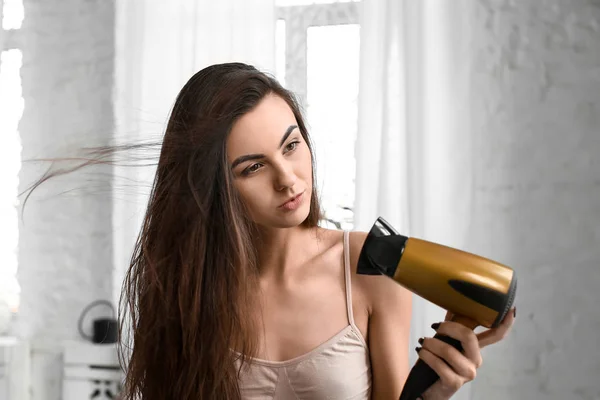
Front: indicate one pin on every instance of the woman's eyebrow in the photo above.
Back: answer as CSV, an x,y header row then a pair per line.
x,y
250,157
287,133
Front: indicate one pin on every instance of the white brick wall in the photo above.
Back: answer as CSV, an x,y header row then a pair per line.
x,y
65,250
536,117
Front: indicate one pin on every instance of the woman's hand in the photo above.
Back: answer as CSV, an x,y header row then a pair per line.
x,y
453,367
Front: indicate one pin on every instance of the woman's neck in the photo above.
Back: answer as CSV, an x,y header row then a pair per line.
x,y
281,251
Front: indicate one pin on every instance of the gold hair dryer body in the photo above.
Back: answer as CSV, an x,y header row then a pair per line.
x,y
478,291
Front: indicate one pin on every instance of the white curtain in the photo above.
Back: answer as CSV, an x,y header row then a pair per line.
x,y
160,45
413,148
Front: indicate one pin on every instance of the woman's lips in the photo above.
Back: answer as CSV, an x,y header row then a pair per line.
x,y
293,203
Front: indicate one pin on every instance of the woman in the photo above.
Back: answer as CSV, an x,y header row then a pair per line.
x,y
234,291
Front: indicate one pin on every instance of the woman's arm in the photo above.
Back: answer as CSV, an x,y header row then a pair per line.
x,y
389,306
389,329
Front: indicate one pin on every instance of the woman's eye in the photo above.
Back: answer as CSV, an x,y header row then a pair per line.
x,y
291,146
251,169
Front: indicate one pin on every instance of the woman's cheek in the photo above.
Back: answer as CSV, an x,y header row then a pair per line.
x,y
253,192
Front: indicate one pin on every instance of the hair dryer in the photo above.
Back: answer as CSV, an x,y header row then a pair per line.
x,y
478,291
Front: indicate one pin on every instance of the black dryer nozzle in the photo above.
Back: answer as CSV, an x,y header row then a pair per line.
x,y
381,251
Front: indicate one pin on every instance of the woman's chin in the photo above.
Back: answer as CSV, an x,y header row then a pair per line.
x,y
292,221
288,219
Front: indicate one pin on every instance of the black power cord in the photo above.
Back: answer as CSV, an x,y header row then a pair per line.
x,y
87,309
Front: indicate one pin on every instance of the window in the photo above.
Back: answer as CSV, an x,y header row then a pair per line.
x,y
317,58
11,110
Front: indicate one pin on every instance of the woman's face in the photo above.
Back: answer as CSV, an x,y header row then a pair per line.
x,y
271,164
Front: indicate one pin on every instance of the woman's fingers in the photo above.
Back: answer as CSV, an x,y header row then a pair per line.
x,y
467,338
449,379
453,367
461,365
495,335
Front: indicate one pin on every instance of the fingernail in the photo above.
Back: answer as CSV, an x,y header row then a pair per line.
x,y
435,326
515,312
417,349
421,341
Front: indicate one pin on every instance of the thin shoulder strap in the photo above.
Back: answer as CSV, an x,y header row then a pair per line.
x,y
347,275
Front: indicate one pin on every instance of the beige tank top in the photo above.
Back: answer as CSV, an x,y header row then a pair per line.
x,y
337,369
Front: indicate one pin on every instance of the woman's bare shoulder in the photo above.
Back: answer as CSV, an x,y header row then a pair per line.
x,y
369,292
374,290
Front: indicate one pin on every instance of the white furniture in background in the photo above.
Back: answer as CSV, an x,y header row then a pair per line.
x,y
14,369
12,375
4,360
91,371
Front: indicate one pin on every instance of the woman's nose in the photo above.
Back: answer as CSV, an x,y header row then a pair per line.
x,y
286,178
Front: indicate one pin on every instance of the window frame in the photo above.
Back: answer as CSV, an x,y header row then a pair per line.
x,y
297,21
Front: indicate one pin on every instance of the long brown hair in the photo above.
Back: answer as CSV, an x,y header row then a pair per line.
x,y
190,292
